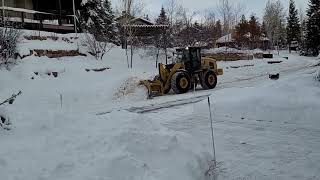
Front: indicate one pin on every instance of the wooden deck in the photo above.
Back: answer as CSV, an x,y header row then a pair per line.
x,y
36,20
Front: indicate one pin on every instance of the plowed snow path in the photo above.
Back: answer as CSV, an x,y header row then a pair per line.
x,y
270,131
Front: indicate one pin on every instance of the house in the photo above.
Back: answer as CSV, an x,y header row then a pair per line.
x,y
48,15
138,27
226,41
229,40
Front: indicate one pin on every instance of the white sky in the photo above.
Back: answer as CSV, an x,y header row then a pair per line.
x,y
152,7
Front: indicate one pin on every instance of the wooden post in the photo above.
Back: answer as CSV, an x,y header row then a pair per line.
x,y
212,135
3,19
74,17
60,13
22,17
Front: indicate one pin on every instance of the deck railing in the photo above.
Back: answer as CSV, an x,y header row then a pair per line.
x,y
38,19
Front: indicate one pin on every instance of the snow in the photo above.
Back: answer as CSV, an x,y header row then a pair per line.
x,y
222,50
262,132
264,129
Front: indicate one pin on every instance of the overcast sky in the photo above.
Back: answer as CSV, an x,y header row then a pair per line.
x,y
152,7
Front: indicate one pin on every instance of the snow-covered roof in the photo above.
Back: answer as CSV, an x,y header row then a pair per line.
x,y
142,19
226,39
133,19
264,39
146,26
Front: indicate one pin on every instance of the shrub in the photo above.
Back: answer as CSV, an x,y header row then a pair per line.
x,y
9,38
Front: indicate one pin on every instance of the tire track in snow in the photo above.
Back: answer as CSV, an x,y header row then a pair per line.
x,y
200,95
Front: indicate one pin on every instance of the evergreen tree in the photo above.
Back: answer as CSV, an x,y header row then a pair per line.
x,y
263,29
97,18
242,32
303,44
218,29
293,26
255,31
163,38
313,28
162,18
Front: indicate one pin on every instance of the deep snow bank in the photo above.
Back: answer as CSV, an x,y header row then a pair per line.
x,y
120,145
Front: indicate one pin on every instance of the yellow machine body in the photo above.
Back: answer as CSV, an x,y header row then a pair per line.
x,y
184,72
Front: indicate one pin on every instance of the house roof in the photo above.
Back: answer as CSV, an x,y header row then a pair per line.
x,y
133,19
146,26
142,19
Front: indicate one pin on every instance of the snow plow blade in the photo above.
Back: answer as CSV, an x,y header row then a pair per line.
x,y
155,88
219,72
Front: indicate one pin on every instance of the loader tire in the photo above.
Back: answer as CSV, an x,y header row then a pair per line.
x,y
167,91
209,80
180,83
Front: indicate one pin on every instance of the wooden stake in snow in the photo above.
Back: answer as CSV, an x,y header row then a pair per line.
x,y
61,100
212,136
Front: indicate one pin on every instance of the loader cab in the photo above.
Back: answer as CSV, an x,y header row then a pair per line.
x,y
191,57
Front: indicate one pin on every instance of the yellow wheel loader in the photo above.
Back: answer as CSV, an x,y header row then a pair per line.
x,y
188,70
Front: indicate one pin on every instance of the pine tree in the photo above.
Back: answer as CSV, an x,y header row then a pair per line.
x,y
162,39
313,28
242,30
255,31
97,18
162,19
263,30
293,25
218,29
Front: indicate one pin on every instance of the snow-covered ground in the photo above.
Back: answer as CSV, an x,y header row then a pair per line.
x,y
264,129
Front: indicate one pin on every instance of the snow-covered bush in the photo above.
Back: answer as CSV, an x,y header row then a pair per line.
x,y
4,120
9,38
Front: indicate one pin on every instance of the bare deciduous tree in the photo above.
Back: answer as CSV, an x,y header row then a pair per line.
x,y
274,19
130,9
226,12
209,17
230,14
97,48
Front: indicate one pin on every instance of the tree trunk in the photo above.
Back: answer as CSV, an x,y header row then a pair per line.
x,y
127,57
131,48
